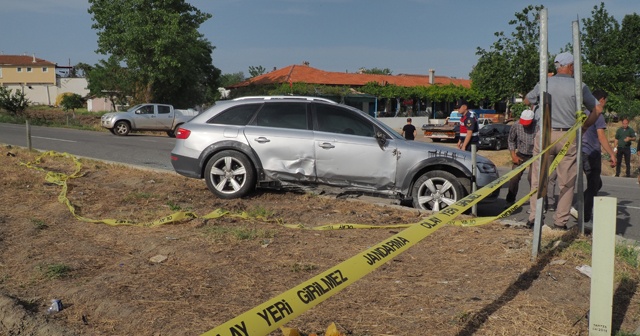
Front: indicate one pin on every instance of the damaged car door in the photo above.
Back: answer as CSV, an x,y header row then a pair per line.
x,y
348,153
281,136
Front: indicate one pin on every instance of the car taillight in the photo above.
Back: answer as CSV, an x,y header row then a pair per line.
x,y
182,133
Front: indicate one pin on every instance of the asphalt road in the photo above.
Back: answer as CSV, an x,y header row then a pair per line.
x,y
144,150
152,151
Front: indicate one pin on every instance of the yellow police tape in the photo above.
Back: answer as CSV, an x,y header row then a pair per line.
x,y
61,180
282,308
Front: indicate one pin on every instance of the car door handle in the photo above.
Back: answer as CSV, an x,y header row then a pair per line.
x,y
262,140
326,145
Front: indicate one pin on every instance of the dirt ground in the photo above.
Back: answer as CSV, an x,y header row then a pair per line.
x,y
188,277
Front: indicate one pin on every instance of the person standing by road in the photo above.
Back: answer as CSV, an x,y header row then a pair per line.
x,y
593,141
622,143
520,143
468,127
561,88
409,131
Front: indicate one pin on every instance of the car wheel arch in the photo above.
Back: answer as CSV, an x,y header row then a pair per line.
x,y
443,164
242,148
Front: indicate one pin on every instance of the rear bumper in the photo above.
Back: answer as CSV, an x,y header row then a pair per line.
x,y
186,166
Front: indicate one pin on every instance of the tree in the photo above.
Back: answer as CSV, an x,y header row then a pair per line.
x,y
375,71
159,42
71,101
511,66
109,79
611,59
14,102
227,80
256,71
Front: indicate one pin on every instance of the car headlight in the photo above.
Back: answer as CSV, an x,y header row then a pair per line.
x,y
486,168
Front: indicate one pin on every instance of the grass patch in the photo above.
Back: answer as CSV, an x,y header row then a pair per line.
x,y
38,224
260,212
628,254
137,196
56,271
237,233
302,267
173,206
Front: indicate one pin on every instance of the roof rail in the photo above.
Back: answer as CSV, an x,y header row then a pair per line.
x,y
308,98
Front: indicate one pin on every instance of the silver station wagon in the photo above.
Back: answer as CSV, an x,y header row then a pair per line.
x,y
292,142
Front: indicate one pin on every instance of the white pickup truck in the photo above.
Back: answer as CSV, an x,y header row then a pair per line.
x,y
147,117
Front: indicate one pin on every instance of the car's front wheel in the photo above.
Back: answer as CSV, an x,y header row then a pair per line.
x,y
122,128
230,174
436,190
498,145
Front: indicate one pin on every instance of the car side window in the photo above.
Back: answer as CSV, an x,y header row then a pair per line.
x,y
146,109
164,109
283,115
237,115
336,119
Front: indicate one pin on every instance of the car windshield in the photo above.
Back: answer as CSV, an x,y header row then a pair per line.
x,y
489,129
134,108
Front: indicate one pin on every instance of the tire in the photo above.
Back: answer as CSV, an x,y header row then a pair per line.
x,y
435,190
113,131
121,128
498,145
230,174
172,133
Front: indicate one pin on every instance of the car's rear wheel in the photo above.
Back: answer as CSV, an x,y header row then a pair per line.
x,y
172,133
122,128
230,174
436,190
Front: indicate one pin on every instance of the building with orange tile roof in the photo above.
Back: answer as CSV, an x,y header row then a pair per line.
x,y
303,73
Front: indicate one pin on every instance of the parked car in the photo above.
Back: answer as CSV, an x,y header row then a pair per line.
x,y
147,117
293,141
494,136
482,122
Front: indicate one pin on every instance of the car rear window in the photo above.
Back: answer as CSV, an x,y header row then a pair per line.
x,y
236,115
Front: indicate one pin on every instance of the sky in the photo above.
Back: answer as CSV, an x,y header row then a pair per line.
x,y
404,36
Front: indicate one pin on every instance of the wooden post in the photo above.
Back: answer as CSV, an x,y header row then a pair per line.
x,y
28,126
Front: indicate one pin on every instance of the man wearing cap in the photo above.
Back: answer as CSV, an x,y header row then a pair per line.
x,y
561,88
468,127
520,143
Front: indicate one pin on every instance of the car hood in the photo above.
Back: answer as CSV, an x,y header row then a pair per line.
x,y
112,114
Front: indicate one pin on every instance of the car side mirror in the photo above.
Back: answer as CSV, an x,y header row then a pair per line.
x,y
382,139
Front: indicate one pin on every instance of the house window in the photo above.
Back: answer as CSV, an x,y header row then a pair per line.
x,y
19,69
45,69
29,69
